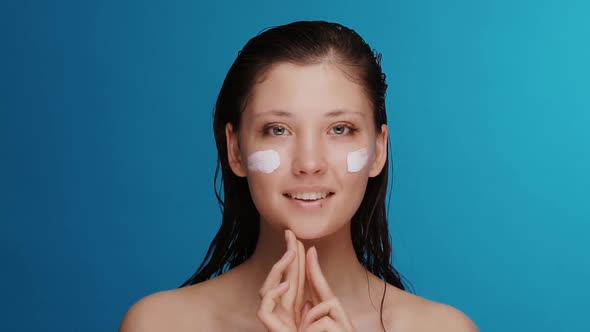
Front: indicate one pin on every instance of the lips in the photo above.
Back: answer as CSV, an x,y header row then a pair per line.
x,y
309,193
309,196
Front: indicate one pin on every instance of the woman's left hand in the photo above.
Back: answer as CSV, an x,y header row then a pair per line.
x,y
325,313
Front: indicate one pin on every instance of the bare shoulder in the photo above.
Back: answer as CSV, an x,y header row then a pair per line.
x,y
443,317
409,312
172,310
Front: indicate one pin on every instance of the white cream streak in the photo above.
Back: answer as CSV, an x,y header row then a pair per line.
x,y
356,160
264,161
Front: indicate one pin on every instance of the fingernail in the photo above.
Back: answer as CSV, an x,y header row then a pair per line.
x,y
283,284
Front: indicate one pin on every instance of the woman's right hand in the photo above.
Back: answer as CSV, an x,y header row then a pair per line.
x,y
280,308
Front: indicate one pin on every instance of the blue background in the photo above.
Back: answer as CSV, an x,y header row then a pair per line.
x,y
107,152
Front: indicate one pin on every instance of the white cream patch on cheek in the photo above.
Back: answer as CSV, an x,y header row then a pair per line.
x,y
265,161
356,160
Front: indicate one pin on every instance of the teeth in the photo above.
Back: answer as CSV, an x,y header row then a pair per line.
x,y
309,196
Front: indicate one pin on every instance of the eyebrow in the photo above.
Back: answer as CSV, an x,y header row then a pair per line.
x,y
342,112
330,114
276,112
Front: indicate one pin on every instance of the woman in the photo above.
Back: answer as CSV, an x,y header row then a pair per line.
x,y
301,131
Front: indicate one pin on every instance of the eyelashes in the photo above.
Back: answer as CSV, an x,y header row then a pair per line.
x,y
346,130
276,130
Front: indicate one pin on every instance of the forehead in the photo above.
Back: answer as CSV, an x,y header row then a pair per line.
x,y
306,89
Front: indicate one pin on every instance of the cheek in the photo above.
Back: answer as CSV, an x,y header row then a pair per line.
x,y
264,161
357,160
261,185
265,169
350,162
353,176
352,173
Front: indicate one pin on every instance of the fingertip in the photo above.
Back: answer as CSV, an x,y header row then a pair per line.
x,y
307,305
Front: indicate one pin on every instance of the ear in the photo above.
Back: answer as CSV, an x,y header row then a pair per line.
x,y
380,155
233,151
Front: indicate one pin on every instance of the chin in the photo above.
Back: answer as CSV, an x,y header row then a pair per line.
x,y
308,234
313,231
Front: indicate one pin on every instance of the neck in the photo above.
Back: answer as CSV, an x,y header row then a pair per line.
x,y
343,271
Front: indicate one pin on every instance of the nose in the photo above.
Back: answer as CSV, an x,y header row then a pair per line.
x,y
308,156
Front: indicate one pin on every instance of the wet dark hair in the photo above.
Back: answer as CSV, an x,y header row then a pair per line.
x,y
304,42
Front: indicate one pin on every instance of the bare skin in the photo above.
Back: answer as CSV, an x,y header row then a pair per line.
x,y
230,302
312,133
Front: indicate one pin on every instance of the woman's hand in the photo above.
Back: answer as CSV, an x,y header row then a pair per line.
x,y
281,304
325,313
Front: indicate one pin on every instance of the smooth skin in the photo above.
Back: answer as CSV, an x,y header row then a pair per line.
x,y
281,302
327,288
302,302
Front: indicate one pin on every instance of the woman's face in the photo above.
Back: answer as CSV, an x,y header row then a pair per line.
x,y
307,144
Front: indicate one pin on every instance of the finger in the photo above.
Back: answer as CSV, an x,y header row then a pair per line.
x,y
274,276
324,324
300,281
291,273
267,305
318,311
306,307
317,279
308,284
330,308
323,291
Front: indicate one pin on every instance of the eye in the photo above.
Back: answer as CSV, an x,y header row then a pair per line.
x,y
342,130
278,131
274,130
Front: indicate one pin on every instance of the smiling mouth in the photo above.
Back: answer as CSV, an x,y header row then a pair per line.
x,y
309,197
